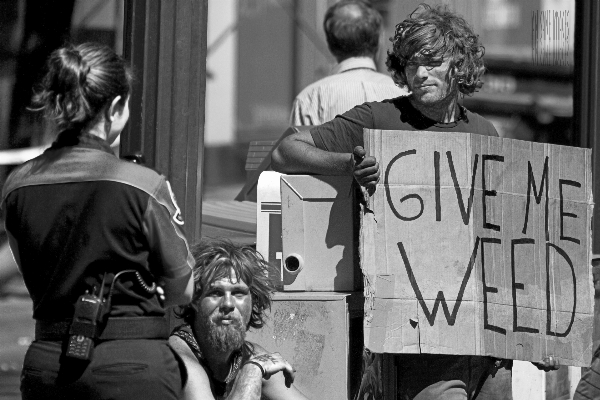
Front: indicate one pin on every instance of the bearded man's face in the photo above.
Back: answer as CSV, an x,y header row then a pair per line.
x,y
223,313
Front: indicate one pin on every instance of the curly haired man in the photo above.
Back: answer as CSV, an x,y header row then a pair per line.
x,y
438,57
232,290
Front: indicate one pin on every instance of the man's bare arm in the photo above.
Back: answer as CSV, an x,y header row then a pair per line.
x,y
298,154
277,386
197,386
248,383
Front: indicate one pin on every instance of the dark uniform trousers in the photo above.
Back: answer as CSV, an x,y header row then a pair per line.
x,y
120,369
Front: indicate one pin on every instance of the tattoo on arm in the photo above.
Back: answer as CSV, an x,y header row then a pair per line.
x,y
247,385
265,358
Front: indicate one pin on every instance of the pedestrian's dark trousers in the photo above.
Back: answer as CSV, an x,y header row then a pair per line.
x,y
120,369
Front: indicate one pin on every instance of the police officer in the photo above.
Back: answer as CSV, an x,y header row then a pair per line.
x,y
99,242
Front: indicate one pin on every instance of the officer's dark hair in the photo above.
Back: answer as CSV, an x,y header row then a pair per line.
x,y
80,82
214,260
433,34
353,29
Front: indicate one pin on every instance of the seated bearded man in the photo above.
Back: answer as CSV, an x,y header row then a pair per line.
x,y
232,290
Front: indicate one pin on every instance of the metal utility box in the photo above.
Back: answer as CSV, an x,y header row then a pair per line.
x,y
319,233
320,334
268,221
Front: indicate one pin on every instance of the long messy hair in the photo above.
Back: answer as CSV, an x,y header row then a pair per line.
x,y
215,258
434,33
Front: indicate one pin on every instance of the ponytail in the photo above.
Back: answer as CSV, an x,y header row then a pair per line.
x,y
80,82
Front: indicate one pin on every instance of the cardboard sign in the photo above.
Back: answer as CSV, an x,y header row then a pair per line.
x,y
478,245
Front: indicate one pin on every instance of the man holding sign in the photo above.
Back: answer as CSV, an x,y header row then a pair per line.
x,y
438,57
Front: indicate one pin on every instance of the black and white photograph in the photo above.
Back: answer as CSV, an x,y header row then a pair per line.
x,y
299,199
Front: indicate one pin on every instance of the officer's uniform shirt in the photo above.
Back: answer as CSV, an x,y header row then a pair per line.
x,y
77,211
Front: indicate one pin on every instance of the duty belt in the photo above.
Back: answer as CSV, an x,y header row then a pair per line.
x,y
119,328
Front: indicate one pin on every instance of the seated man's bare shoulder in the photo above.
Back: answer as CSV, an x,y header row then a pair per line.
x,y
198,383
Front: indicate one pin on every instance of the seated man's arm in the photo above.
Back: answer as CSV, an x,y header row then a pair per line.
x,y
249,382
197,386
297,153
275,388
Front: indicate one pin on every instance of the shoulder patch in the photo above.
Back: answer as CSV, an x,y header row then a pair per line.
x,y
177,217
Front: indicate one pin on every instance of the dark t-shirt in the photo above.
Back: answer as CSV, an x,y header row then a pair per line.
x,y
343,133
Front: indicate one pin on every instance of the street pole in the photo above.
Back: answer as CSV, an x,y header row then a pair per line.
x,y
165,44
